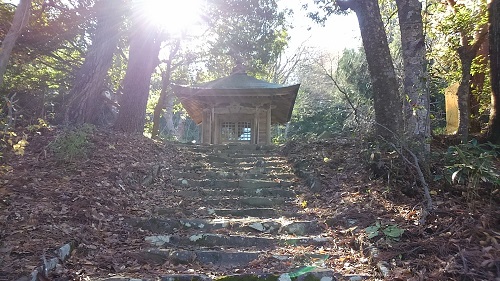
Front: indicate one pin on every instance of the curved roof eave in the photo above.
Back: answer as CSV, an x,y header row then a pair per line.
x,y
238,85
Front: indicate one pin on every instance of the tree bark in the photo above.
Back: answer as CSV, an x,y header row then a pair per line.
x,y
416,102
477,87
20,21
162,102
166,100
143,58
387,103
493,133
463,92
86,94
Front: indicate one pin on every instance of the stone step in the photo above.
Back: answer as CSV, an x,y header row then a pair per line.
x,y
168,277
199,167
232,241
299,274
204,212
229,259
246,157
230,147
232,174
206,191
258,202
239,157
273,226
158,256
229,184
248,212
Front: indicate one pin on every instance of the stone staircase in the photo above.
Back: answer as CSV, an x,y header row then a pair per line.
x,y
236,217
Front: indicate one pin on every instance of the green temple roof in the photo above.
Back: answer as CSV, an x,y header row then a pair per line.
x,y
238,81
238,87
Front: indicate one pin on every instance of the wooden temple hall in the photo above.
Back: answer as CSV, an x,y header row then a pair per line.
x,y
237,108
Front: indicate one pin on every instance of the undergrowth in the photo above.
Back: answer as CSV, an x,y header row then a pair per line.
x,y
471,168
73,143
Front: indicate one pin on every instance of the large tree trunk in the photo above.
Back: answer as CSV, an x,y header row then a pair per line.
x,y
493,134
387,102
477,87
466,57
416,106
20,21
143,58
86,94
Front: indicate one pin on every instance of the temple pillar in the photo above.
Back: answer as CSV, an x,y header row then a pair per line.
x,y
213,127
268,128
205,127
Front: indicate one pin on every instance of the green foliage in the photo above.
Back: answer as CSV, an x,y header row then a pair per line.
x,y
314,116
353,73
73,143
253,32
321,106
390,231
446,29
11,140
471,164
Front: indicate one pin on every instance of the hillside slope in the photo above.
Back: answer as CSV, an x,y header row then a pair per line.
x,y
122,197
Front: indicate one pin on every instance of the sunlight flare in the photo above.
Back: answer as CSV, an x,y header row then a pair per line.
x,y
172,16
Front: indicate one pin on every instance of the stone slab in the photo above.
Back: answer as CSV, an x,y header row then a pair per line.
x,y
218,258
233,241
258,202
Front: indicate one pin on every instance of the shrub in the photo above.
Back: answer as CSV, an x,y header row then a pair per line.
x,y
471,164
73,143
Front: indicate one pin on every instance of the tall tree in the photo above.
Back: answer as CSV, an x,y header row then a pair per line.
x,y
86,94
386,97
20,21
494,19
252,32
471,39
145,44
166,100
416,100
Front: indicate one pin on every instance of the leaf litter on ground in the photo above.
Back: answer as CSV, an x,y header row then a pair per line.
x,y
46,203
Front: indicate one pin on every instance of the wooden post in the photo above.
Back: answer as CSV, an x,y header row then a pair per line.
x,y
268,129
213,131
201,128
255,129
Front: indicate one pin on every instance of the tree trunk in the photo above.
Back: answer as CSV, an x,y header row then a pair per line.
x,y
166,100
493,133
466,52
466,57
143,58
169,114
162,101
477,88
86,94
387,103
416,105
20,21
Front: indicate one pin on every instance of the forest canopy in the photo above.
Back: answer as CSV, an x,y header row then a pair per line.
x,y
86,61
